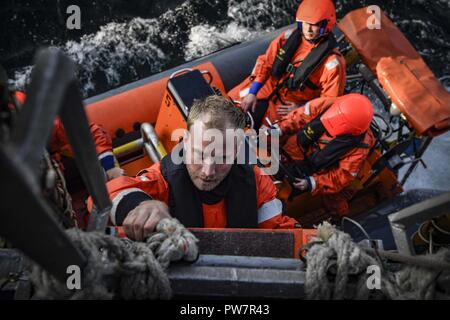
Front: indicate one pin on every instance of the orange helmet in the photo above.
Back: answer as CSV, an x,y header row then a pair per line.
x,y
316,11
349,114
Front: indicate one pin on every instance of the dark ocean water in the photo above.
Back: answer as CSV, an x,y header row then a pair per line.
x,y
123,41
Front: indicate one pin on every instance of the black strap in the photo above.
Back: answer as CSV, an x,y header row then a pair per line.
x,y
128,203
330,156
299,77
185,200
260,111
285,54
310,133
311,85
312,61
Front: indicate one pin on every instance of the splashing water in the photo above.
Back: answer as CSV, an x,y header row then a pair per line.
x,y
205,39
123,52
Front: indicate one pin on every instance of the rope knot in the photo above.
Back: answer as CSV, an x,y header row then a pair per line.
x,y
173,242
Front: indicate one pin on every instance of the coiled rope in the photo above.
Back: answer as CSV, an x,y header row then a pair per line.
x,y
337,269
121,268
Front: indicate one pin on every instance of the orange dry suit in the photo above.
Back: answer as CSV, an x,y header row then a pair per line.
x,y
324,79
333,182
244,199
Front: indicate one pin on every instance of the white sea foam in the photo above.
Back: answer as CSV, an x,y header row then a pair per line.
x,y
115,47
249,19
118,52
204,39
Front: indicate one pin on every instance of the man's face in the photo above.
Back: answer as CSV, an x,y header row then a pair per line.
x,y
310,31
206,173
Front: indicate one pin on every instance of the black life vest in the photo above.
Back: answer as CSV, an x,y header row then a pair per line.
x,y
185,200
331,154
299,76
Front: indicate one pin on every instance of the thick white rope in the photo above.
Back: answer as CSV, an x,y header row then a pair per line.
x,y
336,258
121,268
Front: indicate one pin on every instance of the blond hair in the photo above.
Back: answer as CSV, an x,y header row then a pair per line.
x,y
223,114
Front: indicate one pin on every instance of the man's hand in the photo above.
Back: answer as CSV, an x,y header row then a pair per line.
x,y
301,184
249,102
142,220
285,109
114,173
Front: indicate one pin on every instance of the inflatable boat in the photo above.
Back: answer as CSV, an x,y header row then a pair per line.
x,y
410,96
414,107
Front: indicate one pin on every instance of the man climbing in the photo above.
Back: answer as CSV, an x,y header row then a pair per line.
x,y
327,143
299,65
210,193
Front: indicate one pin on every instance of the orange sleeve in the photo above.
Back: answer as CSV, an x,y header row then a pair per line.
x,y
265,189
149,183
336,179
296,119
269,207
279,222
102,139
263,67
59,142
333,78
260,71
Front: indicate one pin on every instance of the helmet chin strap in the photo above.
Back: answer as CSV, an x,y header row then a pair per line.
x,y
323,26
322,34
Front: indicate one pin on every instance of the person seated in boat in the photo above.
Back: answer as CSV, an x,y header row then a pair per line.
x,y
59,147
201,190
326,144
299,65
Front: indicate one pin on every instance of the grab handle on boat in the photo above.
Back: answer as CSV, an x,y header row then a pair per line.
x,y
152,145
209,74
178,72
248,114
185,70
252,122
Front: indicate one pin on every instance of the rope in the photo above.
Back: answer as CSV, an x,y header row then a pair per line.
x,y
121,268
338,254
337,269
55,190
418,283
173,242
